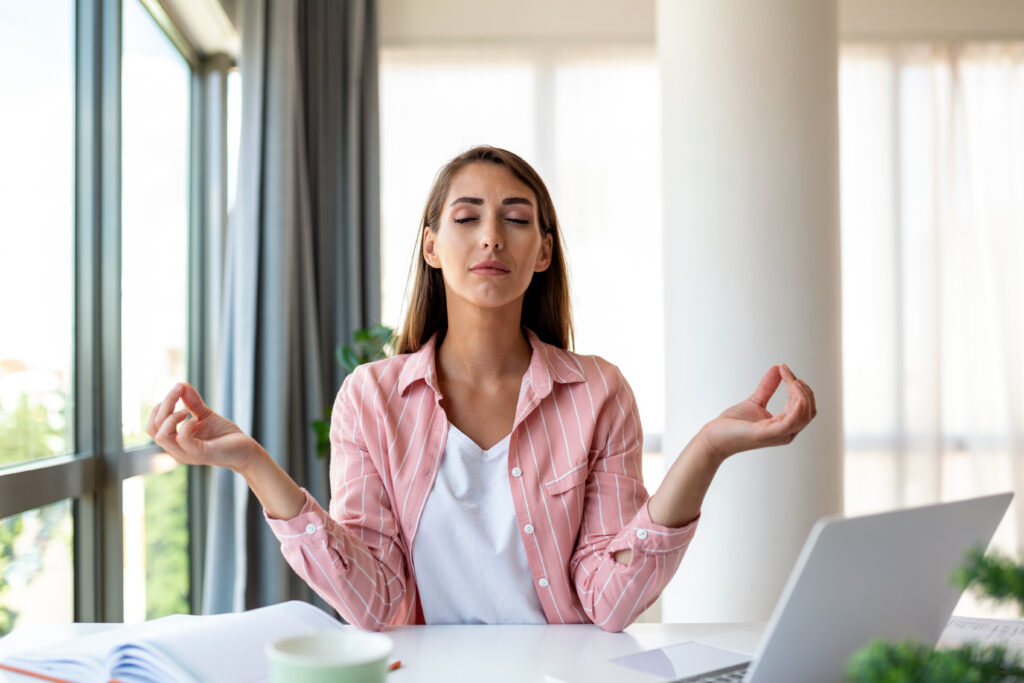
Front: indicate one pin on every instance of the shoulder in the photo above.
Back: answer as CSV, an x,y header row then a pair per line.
x,y
381,375
571,368
598,369
600,377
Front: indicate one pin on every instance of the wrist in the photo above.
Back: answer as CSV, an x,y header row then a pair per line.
x,y
709,449
253,460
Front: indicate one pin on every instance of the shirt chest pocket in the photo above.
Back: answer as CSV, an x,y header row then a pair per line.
x,y
573,480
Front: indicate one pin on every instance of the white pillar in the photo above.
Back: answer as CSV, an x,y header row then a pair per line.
x,y
751,277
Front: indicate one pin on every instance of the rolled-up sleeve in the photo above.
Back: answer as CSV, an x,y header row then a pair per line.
x,y
615,517
353,557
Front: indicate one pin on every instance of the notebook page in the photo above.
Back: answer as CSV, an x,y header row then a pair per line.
x,y
227,648
79,659
223,647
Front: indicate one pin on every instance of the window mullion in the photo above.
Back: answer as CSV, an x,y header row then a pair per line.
x,y
98,538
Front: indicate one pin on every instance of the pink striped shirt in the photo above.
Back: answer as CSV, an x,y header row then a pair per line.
x,y
574,468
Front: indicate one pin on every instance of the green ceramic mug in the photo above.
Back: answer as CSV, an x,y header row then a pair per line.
x,y
337,656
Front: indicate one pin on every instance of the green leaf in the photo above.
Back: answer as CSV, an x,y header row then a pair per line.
x,y
349,360
322,429
367,345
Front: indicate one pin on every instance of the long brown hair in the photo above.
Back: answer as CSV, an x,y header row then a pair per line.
x,y
546,308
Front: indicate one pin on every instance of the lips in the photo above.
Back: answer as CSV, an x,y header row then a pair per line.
x,y
490,268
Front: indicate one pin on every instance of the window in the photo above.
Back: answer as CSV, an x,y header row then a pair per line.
x,y
932,149
97,204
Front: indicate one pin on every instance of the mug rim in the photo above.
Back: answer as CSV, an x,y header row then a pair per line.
x,y
381,645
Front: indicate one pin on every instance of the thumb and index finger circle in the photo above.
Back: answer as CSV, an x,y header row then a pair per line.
x,y
767,386
194,402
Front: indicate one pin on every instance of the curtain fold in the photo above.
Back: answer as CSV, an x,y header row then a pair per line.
x,y
302,269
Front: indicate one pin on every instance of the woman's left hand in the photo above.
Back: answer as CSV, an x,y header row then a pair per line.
x,y
749,425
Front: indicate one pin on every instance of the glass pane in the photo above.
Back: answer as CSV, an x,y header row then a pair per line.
x,y
156,553
36,561
154,214
36,228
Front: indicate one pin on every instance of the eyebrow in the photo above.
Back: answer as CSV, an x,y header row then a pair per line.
x,y
505,202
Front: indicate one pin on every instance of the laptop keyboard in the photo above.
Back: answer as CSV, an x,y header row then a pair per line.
x,y
733,674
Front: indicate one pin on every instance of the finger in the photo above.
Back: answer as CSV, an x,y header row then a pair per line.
x,y
779,430
166,407
769,383
185,429
167,435
797,392
810,395
150,422
787,375
788,421
797,411
194,402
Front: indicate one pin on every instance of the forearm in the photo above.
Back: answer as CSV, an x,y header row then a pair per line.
x,y
280,496
678,500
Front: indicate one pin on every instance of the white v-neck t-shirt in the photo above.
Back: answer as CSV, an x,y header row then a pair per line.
x,y
468,556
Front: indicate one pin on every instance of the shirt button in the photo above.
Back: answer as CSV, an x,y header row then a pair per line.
x,y
543,583
641,534
311,529
528,528
516,472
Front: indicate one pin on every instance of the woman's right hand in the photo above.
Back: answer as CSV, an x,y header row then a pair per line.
x,y
204,438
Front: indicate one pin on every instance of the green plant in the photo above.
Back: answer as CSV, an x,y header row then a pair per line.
x,y
882,662
994,576
368,345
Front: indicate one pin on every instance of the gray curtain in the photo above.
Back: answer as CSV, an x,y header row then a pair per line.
x,y
302,264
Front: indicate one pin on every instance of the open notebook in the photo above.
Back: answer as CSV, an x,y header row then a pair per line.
x,y
221,647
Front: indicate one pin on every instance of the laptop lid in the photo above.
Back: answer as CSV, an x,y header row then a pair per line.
x,y
884,575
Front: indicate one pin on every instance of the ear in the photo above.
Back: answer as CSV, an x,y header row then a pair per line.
x,y
544,258
429,255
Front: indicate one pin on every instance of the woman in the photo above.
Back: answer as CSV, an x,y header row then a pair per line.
x,y
486,474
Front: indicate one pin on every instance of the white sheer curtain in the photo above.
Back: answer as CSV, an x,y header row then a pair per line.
x,y
932,181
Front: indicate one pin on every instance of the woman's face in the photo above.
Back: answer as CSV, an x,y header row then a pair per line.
x,y
488,243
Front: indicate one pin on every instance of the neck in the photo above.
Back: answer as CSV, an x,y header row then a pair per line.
x,y
483,344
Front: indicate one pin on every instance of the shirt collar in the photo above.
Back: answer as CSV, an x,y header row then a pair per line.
x,y
549,364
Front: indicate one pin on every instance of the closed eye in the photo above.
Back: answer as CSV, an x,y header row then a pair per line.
x,y
519,221
464,220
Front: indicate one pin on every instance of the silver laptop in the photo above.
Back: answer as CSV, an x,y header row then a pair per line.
x,y
878,576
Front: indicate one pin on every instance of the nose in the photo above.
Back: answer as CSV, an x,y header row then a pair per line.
x,y
491,235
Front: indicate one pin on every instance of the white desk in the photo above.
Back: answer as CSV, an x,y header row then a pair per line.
x,y
526,653
517,654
